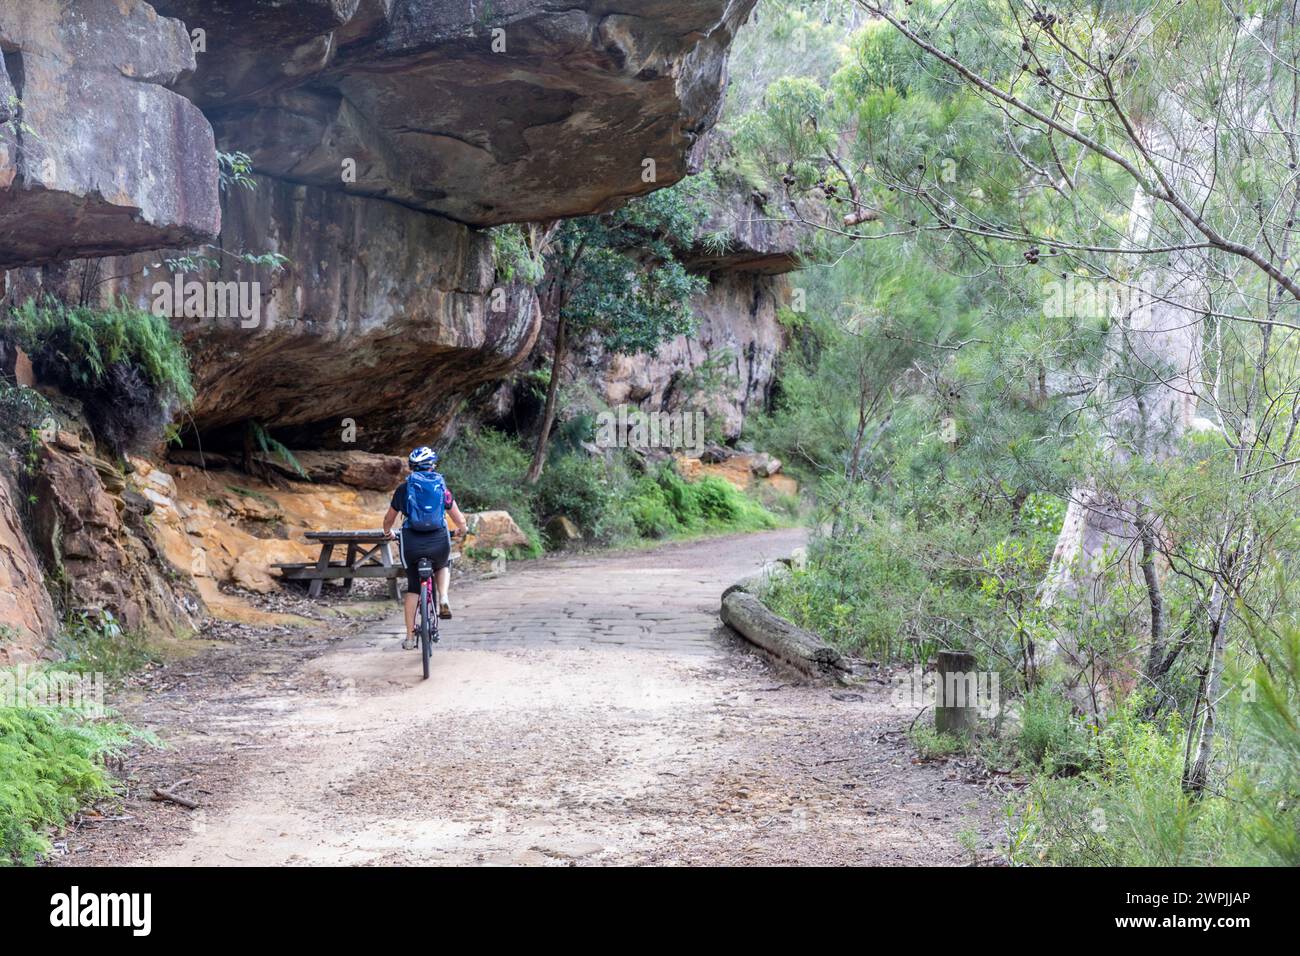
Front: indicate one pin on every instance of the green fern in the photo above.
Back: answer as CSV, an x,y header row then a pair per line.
x,y
82,343
51,762
270,446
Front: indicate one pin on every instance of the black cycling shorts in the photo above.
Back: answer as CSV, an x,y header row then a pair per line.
x,y
414,545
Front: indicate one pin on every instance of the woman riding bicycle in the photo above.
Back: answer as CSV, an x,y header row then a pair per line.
x,y
424,531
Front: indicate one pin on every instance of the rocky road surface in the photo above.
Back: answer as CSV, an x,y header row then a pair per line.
x,y
584,710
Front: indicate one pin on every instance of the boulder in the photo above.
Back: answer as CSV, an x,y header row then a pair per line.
x,y
359,469
494,529
253,569
764,465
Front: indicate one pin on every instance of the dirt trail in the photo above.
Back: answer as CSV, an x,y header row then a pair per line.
x,y
586,709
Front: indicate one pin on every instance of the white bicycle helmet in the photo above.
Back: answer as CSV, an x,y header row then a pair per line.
x,y
422,459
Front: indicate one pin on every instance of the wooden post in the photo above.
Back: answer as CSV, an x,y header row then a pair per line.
x,y
326,549
956,682
386,559
352,563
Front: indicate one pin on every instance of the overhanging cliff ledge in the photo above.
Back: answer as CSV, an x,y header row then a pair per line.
x,y
384,135
484,113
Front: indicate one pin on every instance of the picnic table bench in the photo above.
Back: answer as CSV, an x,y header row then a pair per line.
x,y
369,555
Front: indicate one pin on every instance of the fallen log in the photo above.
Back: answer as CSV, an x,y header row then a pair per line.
x,y
801,649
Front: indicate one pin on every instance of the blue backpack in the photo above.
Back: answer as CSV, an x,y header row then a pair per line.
x,y
426,501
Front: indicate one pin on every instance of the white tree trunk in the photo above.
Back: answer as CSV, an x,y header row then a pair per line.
x,y
1149,384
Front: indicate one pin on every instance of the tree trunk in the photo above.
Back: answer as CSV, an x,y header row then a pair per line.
x,y
552,401
1155,598
1149,385
1196,771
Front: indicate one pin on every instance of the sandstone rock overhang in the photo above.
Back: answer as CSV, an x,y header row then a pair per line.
x,y
97,156
512,111
387,312
759,235
383,316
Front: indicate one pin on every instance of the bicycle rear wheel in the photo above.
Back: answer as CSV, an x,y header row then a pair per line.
x,y
426,627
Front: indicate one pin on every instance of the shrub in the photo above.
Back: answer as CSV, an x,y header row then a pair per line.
x,y
1050,737
930,744
51,761
485,470
96,642
127,366
1129,809
574,486
650,511
22,409
664,504
885,589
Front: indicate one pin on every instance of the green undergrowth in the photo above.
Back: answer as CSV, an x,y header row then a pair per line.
x,y
52,761
611,502
56,735
96,643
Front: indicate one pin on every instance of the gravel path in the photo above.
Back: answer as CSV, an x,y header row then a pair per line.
x,y
582,710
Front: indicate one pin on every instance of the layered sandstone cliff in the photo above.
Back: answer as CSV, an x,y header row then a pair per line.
x,y
727,367
384,135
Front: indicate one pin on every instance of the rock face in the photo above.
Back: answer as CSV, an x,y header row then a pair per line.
x,y
762,235
494,529
383,316
96,548
380,128
27,616
725,369
487,113
96,155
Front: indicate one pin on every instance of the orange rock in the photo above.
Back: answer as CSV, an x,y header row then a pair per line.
x,y
688,468
494,529
254,570
735,470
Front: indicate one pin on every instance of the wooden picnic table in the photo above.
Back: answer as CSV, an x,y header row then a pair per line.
x,y
369,555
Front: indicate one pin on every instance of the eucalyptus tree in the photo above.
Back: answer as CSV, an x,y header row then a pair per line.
x,y
616,277
1127,170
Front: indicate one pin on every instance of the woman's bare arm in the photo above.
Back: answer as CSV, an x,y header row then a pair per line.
x,y
462,523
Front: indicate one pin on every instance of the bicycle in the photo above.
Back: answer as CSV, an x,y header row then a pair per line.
x,y
427,609
427,612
